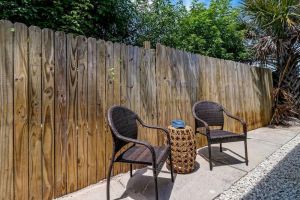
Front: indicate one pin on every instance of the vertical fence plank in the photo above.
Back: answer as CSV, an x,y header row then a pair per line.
x,y
117,71
244,77
35,111
169,108
200,139
109,81
112,90
135,90
219,82
123,74
92,111
124,86
162,86
152,104
174,82
227,104
129,77
116,87
137,78
251,105
48,112
201,77
177,66
143,81
148,93
6,110
188,89
269,85
194,83
72,102
21,111
254,97
60,115
265,96
233,86
241,96
82,112
101,104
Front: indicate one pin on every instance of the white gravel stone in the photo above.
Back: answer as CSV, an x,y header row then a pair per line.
x,y
278,177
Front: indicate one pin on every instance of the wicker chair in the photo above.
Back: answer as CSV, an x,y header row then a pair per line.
x,y
207,113
124,129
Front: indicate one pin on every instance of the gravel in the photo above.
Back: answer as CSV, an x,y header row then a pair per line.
x,y
278,177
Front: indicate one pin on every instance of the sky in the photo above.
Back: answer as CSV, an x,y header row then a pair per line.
x,y
187,3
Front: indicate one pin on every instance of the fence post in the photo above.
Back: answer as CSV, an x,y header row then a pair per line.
x,y
147,45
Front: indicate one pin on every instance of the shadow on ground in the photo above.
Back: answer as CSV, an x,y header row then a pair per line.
x,y
141,185
221,158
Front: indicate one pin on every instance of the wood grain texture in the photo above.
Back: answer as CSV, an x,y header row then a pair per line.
x,y
92,111
241,95
241,89
35,113
143,132
152,89
61,115
129,78
114,76
161,87
82,136
148,111
21,136
72,103
6,110
55,90
109,93
113,52
48,112
101,109
124,86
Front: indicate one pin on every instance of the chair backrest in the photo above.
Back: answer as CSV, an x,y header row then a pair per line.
x,y
210,112
122,121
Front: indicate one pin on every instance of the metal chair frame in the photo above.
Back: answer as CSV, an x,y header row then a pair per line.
x,y
212,114
120,140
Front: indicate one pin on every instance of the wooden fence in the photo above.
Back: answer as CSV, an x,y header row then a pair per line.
x,y
55,89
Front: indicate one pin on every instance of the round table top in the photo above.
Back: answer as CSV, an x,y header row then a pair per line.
x,y
179,129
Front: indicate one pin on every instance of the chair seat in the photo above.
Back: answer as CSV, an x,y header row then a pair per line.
x,y
221,135
142,155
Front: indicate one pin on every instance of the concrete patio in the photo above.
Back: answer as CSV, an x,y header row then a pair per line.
x,y
203,184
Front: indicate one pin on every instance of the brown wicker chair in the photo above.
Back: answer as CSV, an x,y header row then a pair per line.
x,y
124,129
207,113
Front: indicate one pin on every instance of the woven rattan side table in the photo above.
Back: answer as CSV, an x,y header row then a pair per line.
x,y
183,149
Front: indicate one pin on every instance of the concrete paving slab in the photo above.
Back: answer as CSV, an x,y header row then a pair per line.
x,y
204,184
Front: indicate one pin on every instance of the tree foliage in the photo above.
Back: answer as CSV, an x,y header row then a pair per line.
x,y
274,29
160,21
213,30
106,19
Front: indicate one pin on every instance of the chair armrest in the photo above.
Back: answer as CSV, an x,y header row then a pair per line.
x,y
165,131
207,130
238,119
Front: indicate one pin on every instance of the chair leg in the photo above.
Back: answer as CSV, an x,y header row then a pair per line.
x,y
155,182
171,166
209,154
246,152
130,170
108,179
221,150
